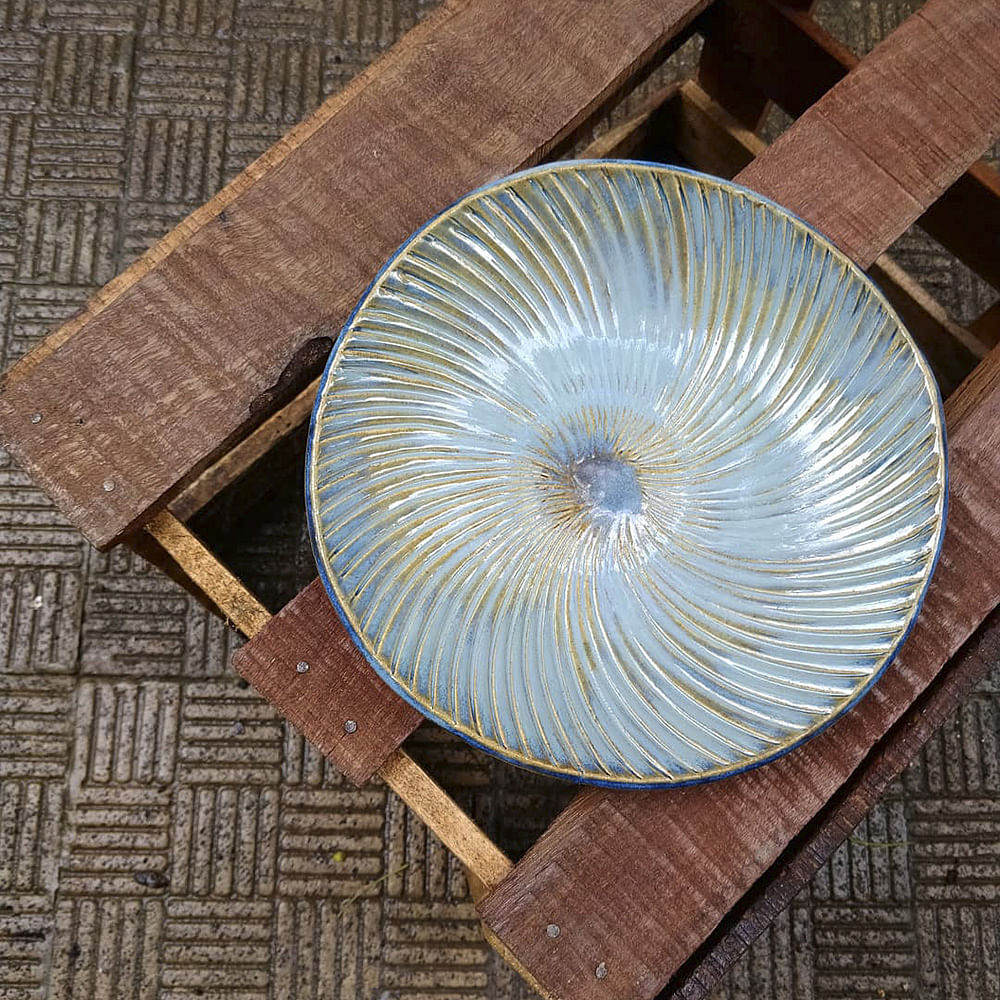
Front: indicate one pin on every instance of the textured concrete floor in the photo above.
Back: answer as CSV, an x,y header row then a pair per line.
x,y
162,834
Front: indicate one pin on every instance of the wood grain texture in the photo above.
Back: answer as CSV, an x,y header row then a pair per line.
x,y
338,686
865,161
241,458
639,880
766,47
710,139
810,849
238,311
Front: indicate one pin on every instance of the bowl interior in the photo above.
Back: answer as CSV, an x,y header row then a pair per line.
x,y
623,473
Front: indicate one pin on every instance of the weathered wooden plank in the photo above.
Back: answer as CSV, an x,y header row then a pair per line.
x,y
208,575
864,162
765,47
338,702
243,456
638,881
709,138
235,311
486,863
809,851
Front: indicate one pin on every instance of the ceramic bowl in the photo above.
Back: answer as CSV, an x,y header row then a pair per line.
x,y
625,474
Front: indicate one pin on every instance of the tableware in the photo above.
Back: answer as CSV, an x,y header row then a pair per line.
x,y
625,474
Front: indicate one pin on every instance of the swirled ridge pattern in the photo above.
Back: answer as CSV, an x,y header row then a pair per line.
x,y
625,474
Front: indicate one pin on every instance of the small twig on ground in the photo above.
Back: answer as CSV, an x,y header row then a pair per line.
x,y
371,885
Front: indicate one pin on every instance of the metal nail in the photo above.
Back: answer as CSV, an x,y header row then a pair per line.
x,y
601,971
350,726
108,485
36,418
552,930
302,666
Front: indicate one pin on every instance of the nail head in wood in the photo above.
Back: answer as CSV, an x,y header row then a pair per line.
x,y
301,667
552,930
108,485
36,418
601,972
350,726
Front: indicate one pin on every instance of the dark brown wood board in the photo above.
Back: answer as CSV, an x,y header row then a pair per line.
x,y
237,308
639,880
773,49
735,42
775,890
338,702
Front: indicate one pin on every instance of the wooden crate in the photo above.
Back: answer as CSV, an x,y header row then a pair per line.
x,y
187,369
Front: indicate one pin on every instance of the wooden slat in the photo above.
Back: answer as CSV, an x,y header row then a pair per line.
x,y
706,135
236,310
709,138
485,861
777,49
639,880
697,979
241,458
767,50
209,575
338,685
727,61
865,161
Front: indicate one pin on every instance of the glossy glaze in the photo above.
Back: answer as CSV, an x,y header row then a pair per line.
x,y
625,474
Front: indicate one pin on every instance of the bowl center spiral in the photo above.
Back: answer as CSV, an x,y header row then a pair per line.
x,y
606,484
624,474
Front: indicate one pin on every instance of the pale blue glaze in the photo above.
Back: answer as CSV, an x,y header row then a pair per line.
x,y
625,474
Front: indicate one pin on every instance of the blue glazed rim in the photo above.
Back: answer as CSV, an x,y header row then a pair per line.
x,y
567,773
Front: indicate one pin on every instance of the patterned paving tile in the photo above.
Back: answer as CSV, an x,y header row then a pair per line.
x,y
162,833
